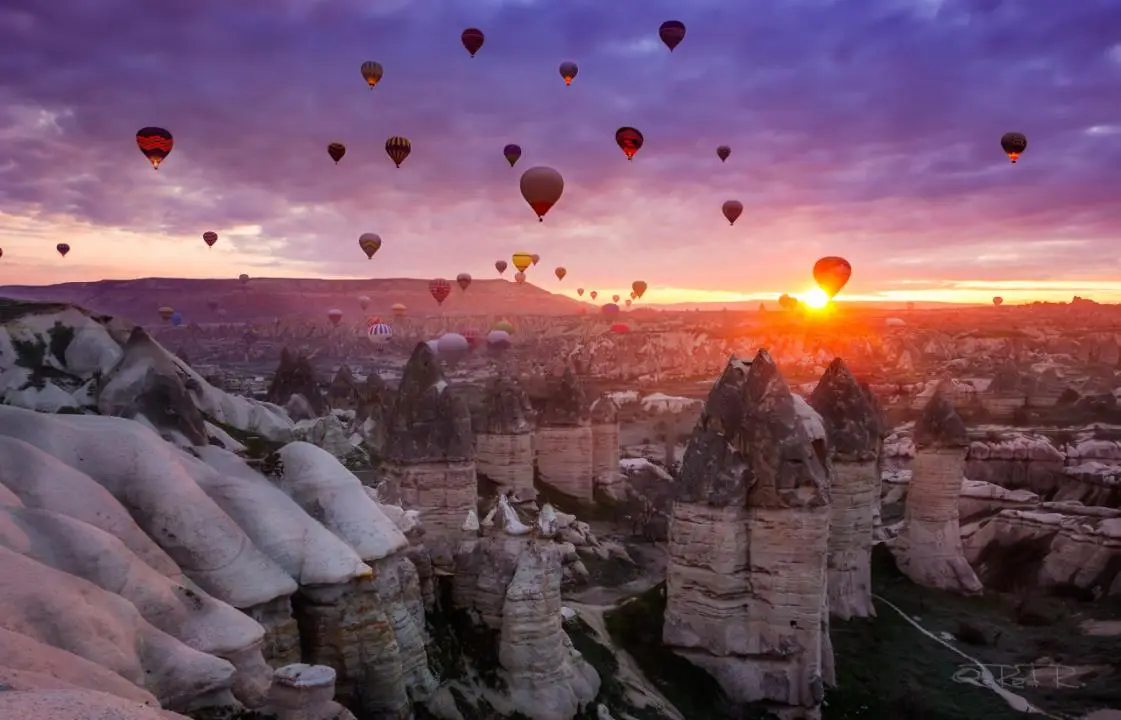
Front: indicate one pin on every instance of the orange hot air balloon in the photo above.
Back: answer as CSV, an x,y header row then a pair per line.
x,y
639,288
210,237
519,277
463,280
165,313
335,316
568,71
580,292
629,141
542,187
732,210
512,152
521,260
595,294
372,72
998,301
615,298
629,301
560,273
672,32
831,273
370,244
723,152
398,148
399,310
473,39
1014,144
155,143
62,248
500,266
336,150
440,289
535,258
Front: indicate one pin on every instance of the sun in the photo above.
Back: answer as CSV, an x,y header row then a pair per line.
x,y
815,299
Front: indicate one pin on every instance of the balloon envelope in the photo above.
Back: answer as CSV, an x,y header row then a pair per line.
x,y
831,273
372,72
542,187
336,150
440,289
639,288
62,249
210,237
500,266
568,71
521,260
463,280
998,301
732,210
512,153
472,39
610,309
672,32
560,273
519,277
629,141
1013,144
723,152
452,346
155,143
498,340
370,243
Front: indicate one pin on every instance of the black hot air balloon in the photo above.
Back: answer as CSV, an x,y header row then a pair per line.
x,y
1014,144
398,148
155,143
336,150
629,140
513,153
62,248
672,32
723,152
473,39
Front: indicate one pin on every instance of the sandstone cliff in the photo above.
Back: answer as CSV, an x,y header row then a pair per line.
x,y
564,438
504,438
607,480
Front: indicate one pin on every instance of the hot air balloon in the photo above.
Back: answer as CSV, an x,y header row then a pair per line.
x,y
336,150
473,40
398,148
831,273
519,277
165,312
210,237
672,32
372,71
521,260
440,289
639,287
176,319
629,140
472,335
62,248
723,152
363,302
633,296
732,209
594,294
500,266
998,301
580,292
399,310
464,281
615,298
334,316
568,71
498,340
243,279
452,346
610,310
620,328
155,143
512,153
535,258
560,273
379,333
1014,144
370,244
542,187
629,301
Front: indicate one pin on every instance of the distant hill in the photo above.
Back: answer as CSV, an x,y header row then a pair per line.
x,y
266,298
741,305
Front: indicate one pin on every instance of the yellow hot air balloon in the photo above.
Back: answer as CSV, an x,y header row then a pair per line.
x,y
521,261
560,273
399,310
372,72
166,312
398,148
542,187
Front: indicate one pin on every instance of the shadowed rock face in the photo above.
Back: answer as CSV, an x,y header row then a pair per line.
x,y
1007,378
749,447
940,425
851,421
428,422
566,403
604,411
343,391
505,409
294,375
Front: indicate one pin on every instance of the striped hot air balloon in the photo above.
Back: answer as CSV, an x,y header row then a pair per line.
x,y
629,141
440,289
372,72
398,148
379,333
155,143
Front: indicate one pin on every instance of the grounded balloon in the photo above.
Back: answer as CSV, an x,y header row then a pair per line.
x,y
595,294
335,316
370,244
732,209
379,333
1014,144
472,336
363,302
155,143
373,72
165,312
473,40
521,260
560,273
62,248
500,266
831,273
176,319
542,187
464,280
336,150
519,277
998,301
452,346
568,71
629,140
210,237
398,148
498,340
672,32
620,328
535,258
723,152
610,309
639,288
399,310
513,153
243,278
440,289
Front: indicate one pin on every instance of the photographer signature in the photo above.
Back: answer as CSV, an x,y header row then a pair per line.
x,y
1020,676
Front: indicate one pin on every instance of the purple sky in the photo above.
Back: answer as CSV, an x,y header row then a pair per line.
x,y
867,128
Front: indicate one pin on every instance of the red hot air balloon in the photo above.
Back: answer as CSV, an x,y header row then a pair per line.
x,y
998,301
500,266
831,273
560,273
513,153
629,301
732,210
155,143
62,248
473,39
542,187
629,141
335,316
580,292
672,32
639,288
463,280
535,258
595,294
210,237
620,328
440,289
615,298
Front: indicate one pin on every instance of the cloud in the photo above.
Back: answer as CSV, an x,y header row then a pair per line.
x,y
864,129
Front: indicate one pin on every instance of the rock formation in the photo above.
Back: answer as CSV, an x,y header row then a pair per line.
x,y
504,439
305,692
853,431
607,481
295,376
564,439
928,548
343,393
745,594
373,413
